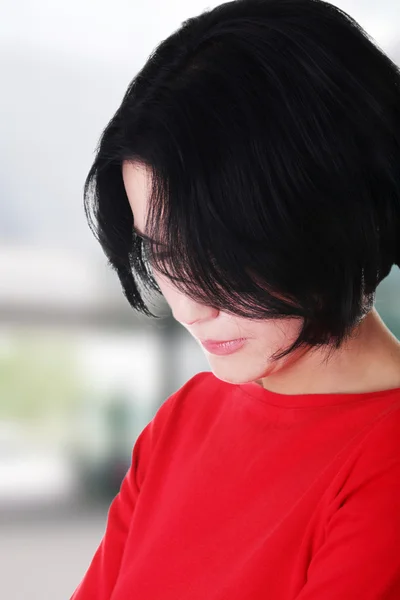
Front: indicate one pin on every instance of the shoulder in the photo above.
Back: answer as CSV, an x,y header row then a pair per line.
x,y
185,401
170,421
375,459
195,394
382,438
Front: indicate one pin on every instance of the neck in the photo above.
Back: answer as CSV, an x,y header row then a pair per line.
x,y
367,362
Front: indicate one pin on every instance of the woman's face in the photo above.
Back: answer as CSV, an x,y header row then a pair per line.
x,y
250,362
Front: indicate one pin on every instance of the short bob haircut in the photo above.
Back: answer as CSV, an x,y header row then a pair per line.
x,y
271,130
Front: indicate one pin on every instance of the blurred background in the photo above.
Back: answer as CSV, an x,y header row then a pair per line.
x,y
80,373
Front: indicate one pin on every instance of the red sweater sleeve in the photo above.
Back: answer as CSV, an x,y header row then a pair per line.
x,y
360,554
101,576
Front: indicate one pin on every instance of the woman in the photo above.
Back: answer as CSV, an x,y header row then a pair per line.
x,y
252,176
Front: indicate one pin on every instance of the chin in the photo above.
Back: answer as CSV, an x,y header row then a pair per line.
x,y
235,375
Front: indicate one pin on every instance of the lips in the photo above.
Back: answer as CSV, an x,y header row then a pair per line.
x,y
223,347
219,341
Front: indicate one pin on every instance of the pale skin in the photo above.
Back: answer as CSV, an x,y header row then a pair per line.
x,y
368,362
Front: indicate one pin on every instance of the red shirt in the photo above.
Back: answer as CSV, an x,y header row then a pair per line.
x,y
238,493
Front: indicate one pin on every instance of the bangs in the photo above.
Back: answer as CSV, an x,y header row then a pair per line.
x,y
206,256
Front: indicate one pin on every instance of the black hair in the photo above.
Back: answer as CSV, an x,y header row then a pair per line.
x,y
271,130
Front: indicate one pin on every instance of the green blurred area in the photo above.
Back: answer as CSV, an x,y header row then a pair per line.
x,y
39,378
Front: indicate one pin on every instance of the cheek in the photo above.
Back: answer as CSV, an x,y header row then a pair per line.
x,y
167,289
278,333
158,279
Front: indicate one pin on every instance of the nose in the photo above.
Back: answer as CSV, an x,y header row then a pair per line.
x,y
189,312
191,322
